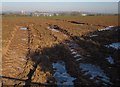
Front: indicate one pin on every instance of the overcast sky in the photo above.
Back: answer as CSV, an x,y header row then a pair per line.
x,y
59,0
99,7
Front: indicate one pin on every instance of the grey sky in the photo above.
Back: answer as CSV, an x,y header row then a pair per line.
x,y
100,7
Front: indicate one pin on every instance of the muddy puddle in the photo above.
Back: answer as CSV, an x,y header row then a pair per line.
x,y
61,75
75,22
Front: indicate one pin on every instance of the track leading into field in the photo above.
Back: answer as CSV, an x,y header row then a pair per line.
x,y
14,59
18,69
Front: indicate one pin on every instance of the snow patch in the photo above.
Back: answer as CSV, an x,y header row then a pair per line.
x,y
23,28
74,52
114,45
107,28
78,59
94,72
110,60
94,35
52,29
72,46
78,55
71,50
61,75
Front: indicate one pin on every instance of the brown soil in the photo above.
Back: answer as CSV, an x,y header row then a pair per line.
x,y
29,54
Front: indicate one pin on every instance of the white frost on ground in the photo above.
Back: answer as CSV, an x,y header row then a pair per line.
x,y
114,45
110,60
107,28
94,72
23,28
61,75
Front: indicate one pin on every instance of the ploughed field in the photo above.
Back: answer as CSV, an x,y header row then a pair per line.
x,y
60,51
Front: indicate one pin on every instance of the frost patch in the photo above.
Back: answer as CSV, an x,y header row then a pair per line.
x,y
61,75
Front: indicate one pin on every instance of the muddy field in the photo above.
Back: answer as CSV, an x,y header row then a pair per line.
x,y
58,51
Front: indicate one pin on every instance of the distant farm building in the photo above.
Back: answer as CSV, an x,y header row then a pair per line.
x,y
44,14
84,14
